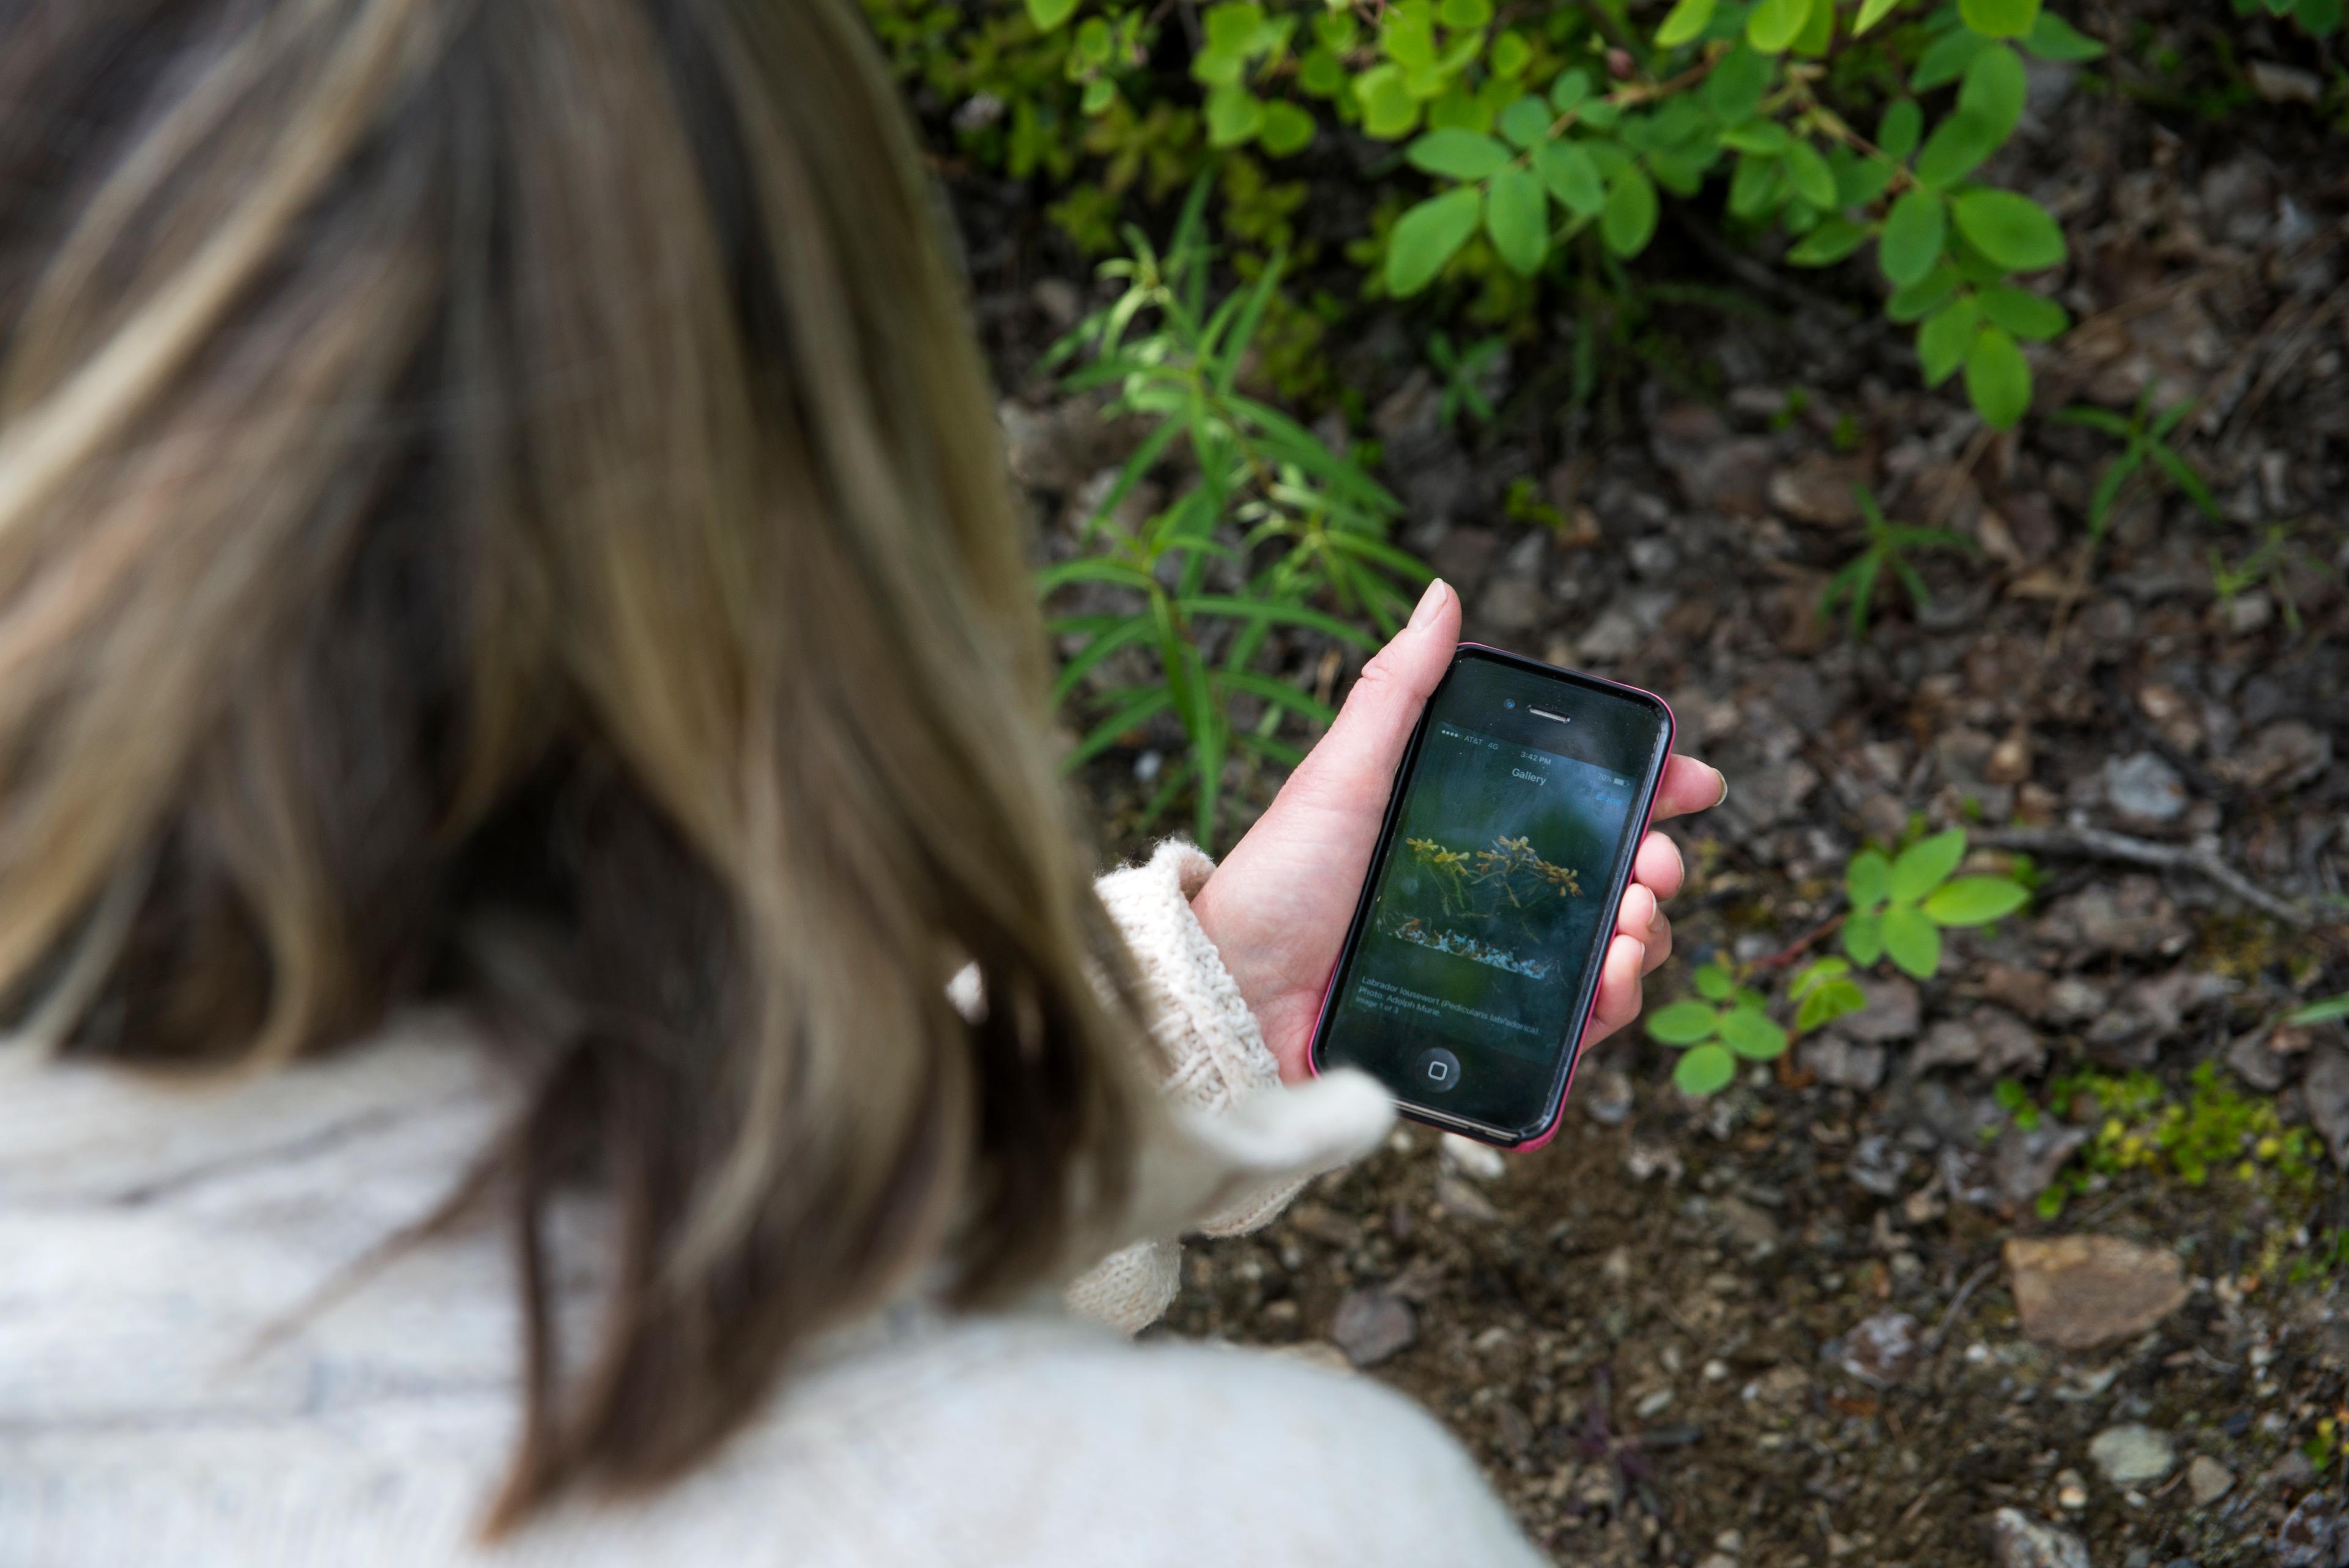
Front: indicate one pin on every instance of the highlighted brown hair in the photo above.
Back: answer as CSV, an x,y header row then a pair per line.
x,y
498,500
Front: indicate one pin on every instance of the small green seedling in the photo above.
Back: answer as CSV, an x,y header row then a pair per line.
x,y
1900,907
1889,543
1824,993
1730,1022
1464,371
2324,1011
2145,437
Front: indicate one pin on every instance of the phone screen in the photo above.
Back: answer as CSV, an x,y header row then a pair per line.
x,y
1473,957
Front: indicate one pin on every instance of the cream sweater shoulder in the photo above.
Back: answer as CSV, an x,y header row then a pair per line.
x,y
163,1398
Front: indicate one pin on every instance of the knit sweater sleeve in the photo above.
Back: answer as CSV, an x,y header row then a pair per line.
x,y
1215,1058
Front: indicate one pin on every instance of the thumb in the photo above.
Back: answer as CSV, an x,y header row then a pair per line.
x,y
1362,748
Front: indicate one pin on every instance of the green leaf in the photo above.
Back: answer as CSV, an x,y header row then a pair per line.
x,y
1734,91
1924,296
1912,942
1571,176
1833,240
1816,973
1749,1032
1465,13
1946,59
1629,221
2013,231
1050,14
1517,215
1759,136
1871,12
1682,1022
1998,379
1994,89
1277,610
1287,130
1956,149
2318,18
1863,937
1713,982
1898,133
1913,232
2054,39
1098,94
2000,19
1705,1071
2028,315
1234,116
1570,89
1925,866
1425,237
1684,22
1511,55
2323,1011
1235,26
1388,109
1457,154
1975,901
1526,122
1868,880
1944,339
1818,31
1813,180
1776,23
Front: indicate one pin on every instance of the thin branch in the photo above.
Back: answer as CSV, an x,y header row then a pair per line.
x,y
2097,844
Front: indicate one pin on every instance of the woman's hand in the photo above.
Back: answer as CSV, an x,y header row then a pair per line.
x,y
1277,906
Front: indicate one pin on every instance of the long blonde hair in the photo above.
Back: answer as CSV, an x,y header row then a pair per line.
x,y
499,500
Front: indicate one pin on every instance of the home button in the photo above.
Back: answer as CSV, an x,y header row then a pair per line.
x,y
1437,1071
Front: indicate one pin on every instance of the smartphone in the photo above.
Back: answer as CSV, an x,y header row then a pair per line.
x,y
1474,957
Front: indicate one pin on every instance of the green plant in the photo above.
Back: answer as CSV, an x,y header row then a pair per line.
x,y
1289,523
1824,991
1555,135
1889,543
2266,564
1900,907
1723,1021
2318,18
2323,1011
2145,437
1464,370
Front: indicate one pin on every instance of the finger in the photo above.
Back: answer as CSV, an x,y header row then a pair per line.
x,y
1356,761
1636,915
1658,866
1658,944
1619,991
1690,785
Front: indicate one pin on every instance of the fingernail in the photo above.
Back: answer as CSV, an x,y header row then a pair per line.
x,y
1428,602
1724,795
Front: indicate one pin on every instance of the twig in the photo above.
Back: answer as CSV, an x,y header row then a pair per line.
x,y
1795,949
1957,1304
2099,844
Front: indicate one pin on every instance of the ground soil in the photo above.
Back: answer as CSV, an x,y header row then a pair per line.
x,y
1642,1331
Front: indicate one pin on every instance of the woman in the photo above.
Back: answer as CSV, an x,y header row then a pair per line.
x,y
518,689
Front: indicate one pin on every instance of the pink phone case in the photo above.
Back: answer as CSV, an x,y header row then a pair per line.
x,y
1566,1091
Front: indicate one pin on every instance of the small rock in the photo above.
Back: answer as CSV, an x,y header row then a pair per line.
x,y
2027,1160
1605,1096
1615,635
1463,1201
1819,490
2246,613
2291,1473
1511,1430
2070,1491
1883,1350
1991,1041
1644,1161
2019,1540
1478,1161
1892,1012
2284,84
2072,1000
2207,1481
2025,991
2327,1088
2310,1536
2132,1455
2077,1291
1718,1560
2283,756
1838,1061
1513,605
1877,1164
1749,1226
2250,1059
1316,1353
1652,558
2145,788
1372,1325
1654,1404
1058,299
2130,915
